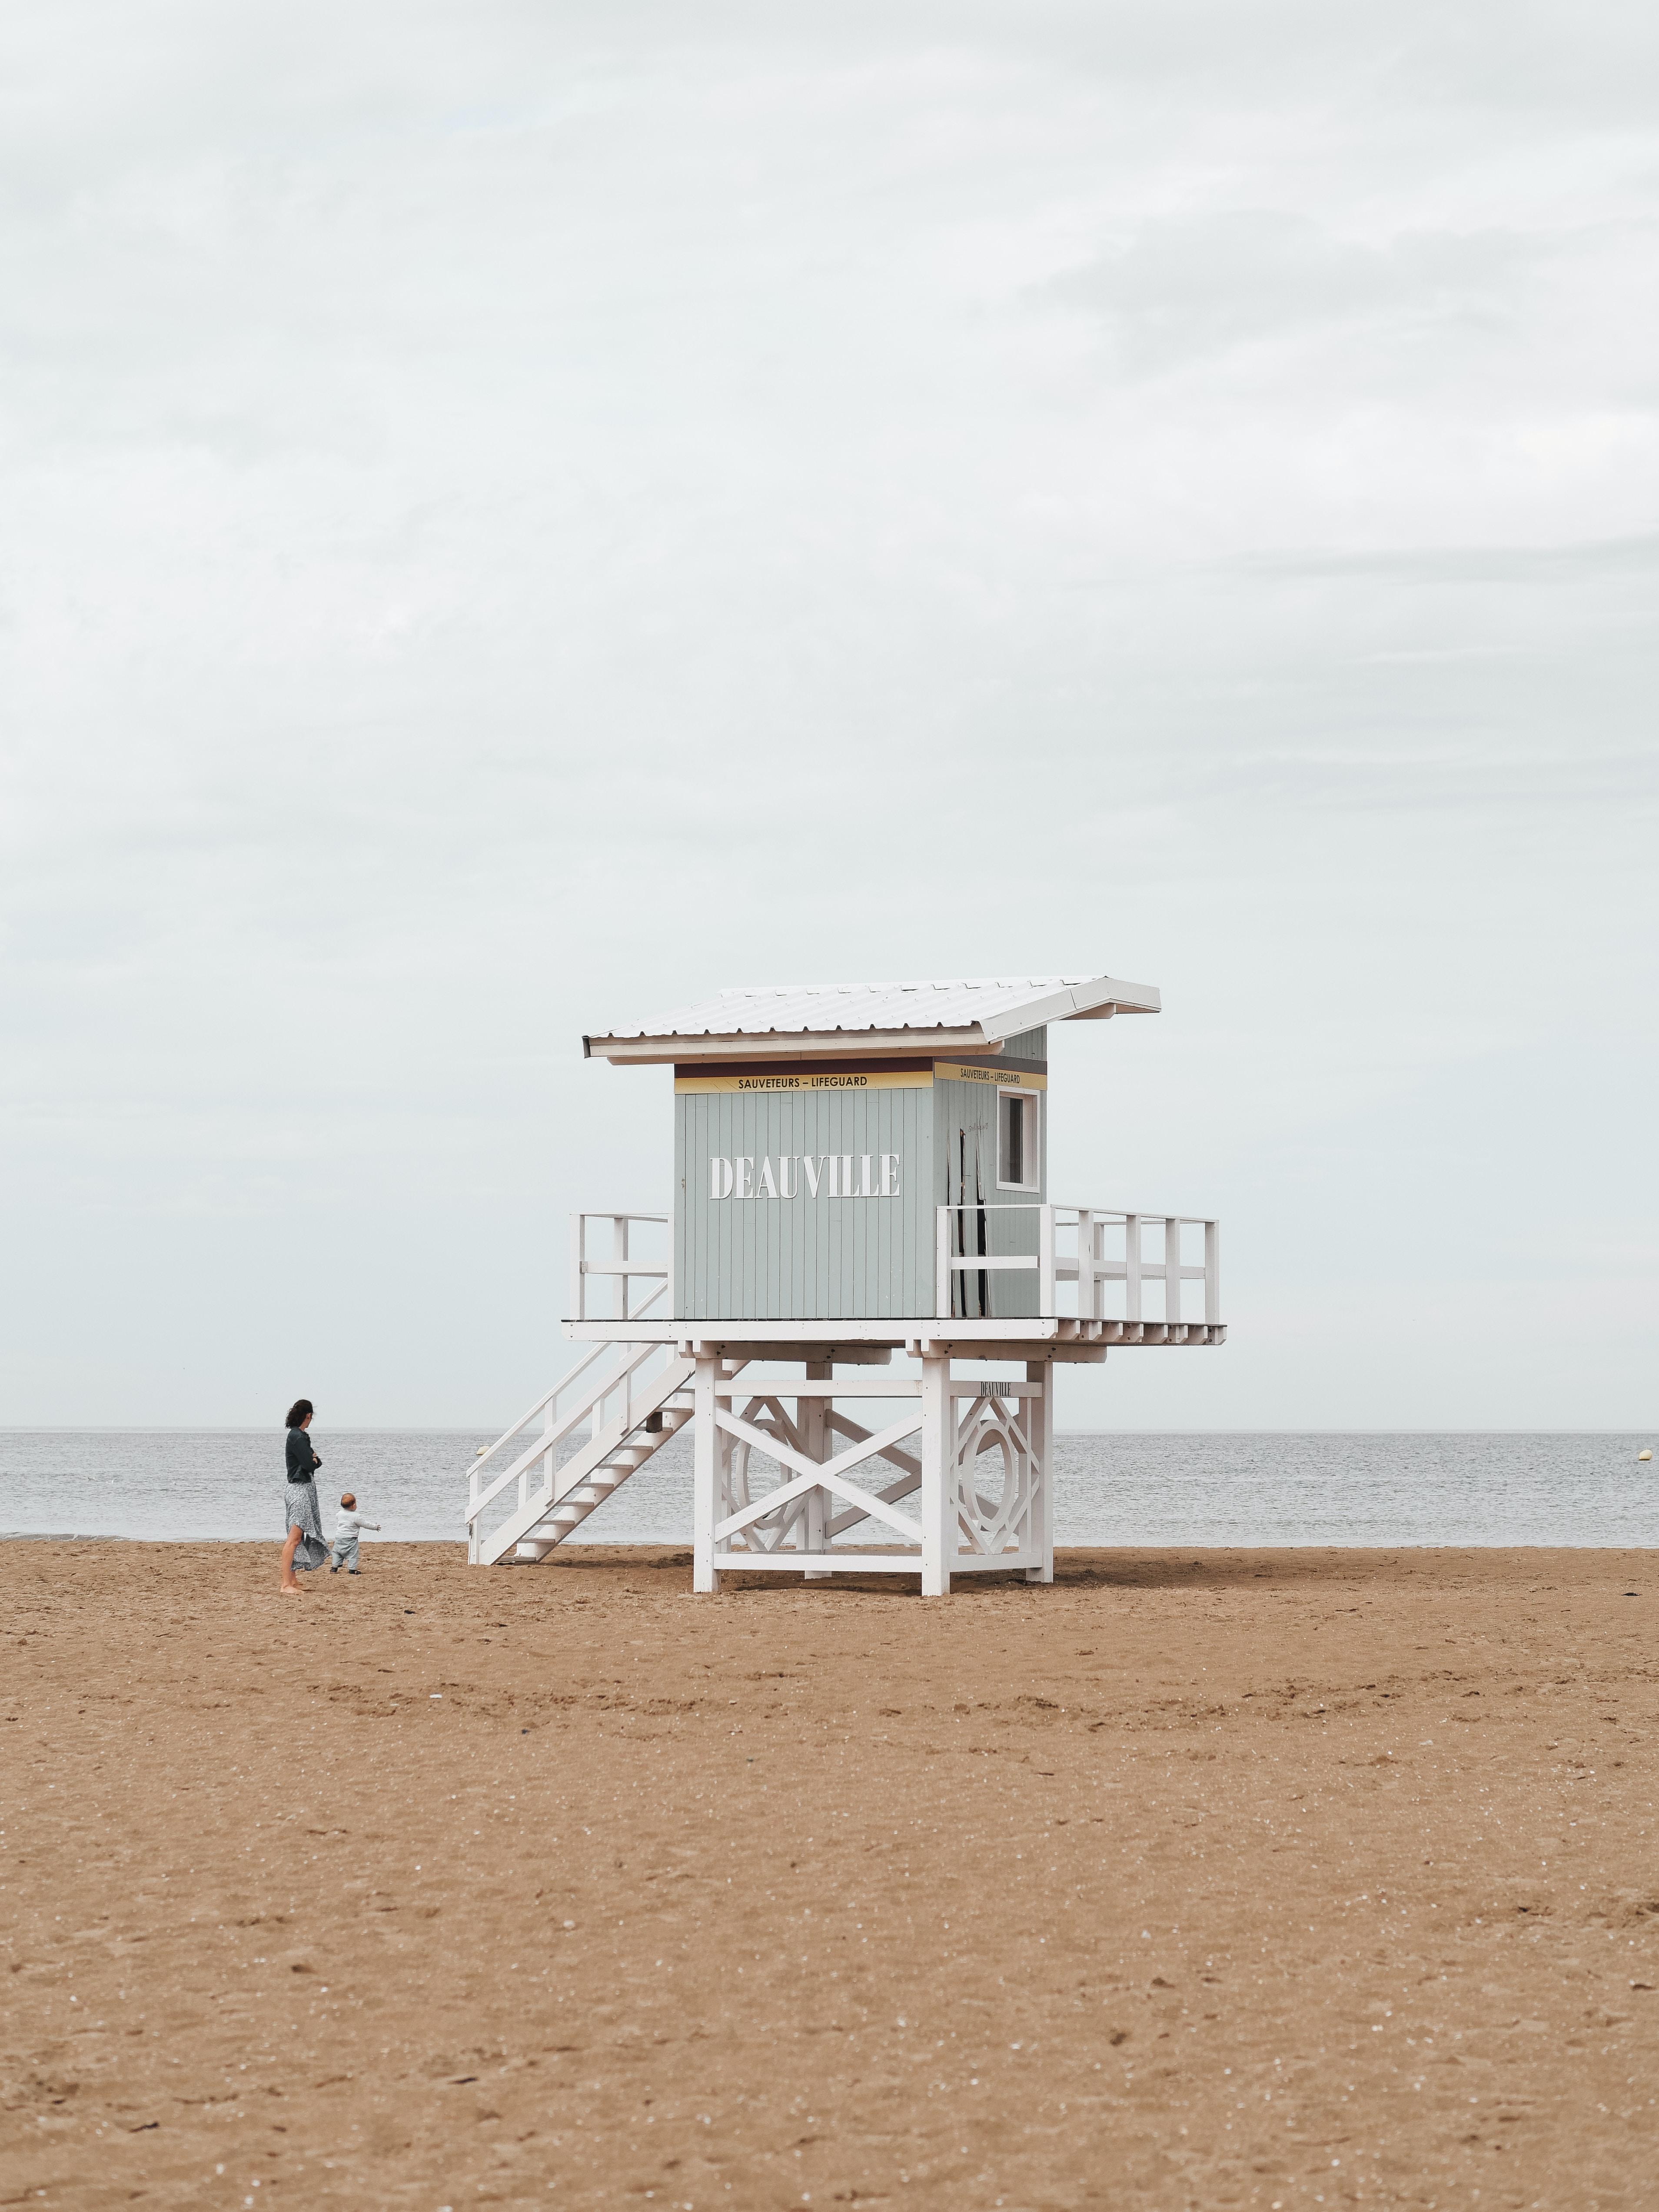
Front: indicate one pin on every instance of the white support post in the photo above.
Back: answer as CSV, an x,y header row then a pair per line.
x,y
942,1275
1086,1267
938,1517
1171,1271
705,1467
619,1260
578,1281
1046,1262
1212,1273
810,1411
1040,1417
1131,1267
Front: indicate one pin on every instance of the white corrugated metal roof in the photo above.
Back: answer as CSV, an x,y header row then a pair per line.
x,y
845,1017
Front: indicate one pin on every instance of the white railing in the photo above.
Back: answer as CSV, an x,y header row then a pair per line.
x,y
619,1266
953,1258
599,1400
1091,1265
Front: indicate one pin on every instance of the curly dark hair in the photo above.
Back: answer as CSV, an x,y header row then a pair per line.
x,y
301,1410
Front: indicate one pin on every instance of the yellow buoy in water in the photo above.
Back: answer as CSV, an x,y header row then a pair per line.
x,y
1644,1455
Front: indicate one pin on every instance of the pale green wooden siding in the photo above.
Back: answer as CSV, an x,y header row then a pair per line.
x,y
803,1259
968,1110
1029,1044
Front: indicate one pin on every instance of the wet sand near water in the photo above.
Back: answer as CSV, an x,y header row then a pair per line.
x,y
1201,1879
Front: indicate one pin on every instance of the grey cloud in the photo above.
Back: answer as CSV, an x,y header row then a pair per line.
x,y
1435,565
1186,290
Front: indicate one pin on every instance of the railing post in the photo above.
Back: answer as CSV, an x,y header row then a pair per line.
x,y
1171,1271
939,1510
1046,1262
706,1495
811,1425
619,1259
1212,1273
1040,1428
942,1263
578,1281
1085,1265
1131,1267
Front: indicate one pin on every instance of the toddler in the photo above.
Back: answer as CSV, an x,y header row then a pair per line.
x,y
345,1538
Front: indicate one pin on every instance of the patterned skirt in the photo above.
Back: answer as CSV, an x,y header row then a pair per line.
x,y
301,1513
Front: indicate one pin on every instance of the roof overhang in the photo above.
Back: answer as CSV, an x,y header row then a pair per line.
x,y
1094,1001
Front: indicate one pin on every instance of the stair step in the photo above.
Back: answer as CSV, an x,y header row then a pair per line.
x,y
636,1445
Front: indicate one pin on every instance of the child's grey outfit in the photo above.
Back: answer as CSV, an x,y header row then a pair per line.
x,y
345,1541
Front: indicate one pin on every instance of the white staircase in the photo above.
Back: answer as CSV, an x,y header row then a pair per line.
x,y
603,1465
631,1413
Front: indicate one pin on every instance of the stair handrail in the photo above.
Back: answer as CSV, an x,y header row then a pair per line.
x,y
550,1398
563,1383
548,1440
588,1465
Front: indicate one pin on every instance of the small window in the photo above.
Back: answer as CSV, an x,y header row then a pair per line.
x,y
1017,1150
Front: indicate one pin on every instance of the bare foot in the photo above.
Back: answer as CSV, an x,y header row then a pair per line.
x,y
290,1589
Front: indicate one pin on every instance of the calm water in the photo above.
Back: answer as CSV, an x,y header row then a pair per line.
x,y
1113,1489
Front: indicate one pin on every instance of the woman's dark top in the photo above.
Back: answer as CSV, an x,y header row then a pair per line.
x,y
302,1461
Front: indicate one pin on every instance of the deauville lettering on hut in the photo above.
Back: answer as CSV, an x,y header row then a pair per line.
x,y
814,1175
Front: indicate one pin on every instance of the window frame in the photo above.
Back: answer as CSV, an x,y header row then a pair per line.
x,y
1027,1101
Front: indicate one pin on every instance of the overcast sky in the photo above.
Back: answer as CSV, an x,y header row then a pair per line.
x,y
515,516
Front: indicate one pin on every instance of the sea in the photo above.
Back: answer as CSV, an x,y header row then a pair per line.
x,y
1202,1487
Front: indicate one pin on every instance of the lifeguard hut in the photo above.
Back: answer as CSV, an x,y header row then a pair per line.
x,y
860,1178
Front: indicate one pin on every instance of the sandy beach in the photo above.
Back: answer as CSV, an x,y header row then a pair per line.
x,y
1201,1879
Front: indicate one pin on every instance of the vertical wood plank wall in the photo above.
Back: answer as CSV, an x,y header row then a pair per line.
x,y
969,1111
862,1259
805,1259
1029,1045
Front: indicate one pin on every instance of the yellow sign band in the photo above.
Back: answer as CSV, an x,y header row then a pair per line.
x,y
1009,1078
867,1078
852,1078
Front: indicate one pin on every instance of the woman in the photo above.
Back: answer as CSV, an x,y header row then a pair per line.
x,y
304,1547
